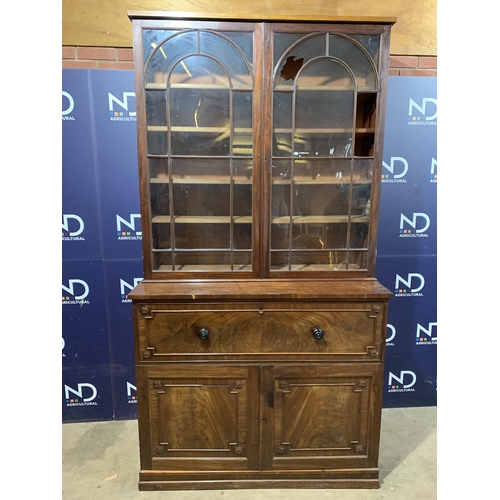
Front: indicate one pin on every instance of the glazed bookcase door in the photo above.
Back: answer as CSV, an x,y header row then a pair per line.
x,y
326,106
198,148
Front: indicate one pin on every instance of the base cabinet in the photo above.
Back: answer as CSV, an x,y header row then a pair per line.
x,y
259,393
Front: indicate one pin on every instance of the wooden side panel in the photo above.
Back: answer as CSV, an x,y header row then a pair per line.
x,y
95,23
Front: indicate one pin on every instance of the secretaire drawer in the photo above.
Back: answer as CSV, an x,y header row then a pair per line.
x,y
349,331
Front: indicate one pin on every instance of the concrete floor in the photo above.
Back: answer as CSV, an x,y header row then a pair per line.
x,y
101,460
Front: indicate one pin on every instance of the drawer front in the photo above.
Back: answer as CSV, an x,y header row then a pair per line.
x,y
347,331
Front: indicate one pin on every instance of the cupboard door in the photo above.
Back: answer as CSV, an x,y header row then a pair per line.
x,y
201,418
324,417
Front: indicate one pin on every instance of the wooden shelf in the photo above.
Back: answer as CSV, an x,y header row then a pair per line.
x,y
319,181
314,267
348,130
212,130
198,219
225,180
321,219
207,268
248,130
247,219
209,179
317,88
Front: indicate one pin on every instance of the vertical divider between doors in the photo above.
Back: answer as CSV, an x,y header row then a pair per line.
x,y
265,118
266,417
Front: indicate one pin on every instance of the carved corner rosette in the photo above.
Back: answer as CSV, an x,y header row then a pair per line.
x,y
373,353
160,450
282,449
145,311
284,385
362,384
237,450
358,448
375,311
235,386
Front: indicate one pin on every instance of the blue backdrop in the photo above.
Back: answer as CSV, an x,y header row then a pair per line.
x,y
102,252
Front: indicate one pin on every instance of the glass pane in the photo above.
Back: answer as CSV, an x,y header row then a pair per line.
x,y
279,261
162,261
242,124
346,50
322,171
282,123
243,172
281,171
310,47
200,171
336,235
156,122
242,202
337,261
152,38
280,235
242,236
229,56
199,104
309,261
158,170
361,189
161,236
198,202
358,260
159,197
359,234
282,42
371,43
206,232
244,41
360,207
324,116
167,55
280,204
213,261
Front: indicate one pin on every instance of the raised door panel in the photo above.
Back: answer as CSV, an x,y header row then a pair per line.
x,y
201,418
325,417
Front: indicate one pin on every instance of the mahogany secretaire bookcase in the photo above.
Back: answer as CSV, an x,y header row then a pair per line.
x,y
259,325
